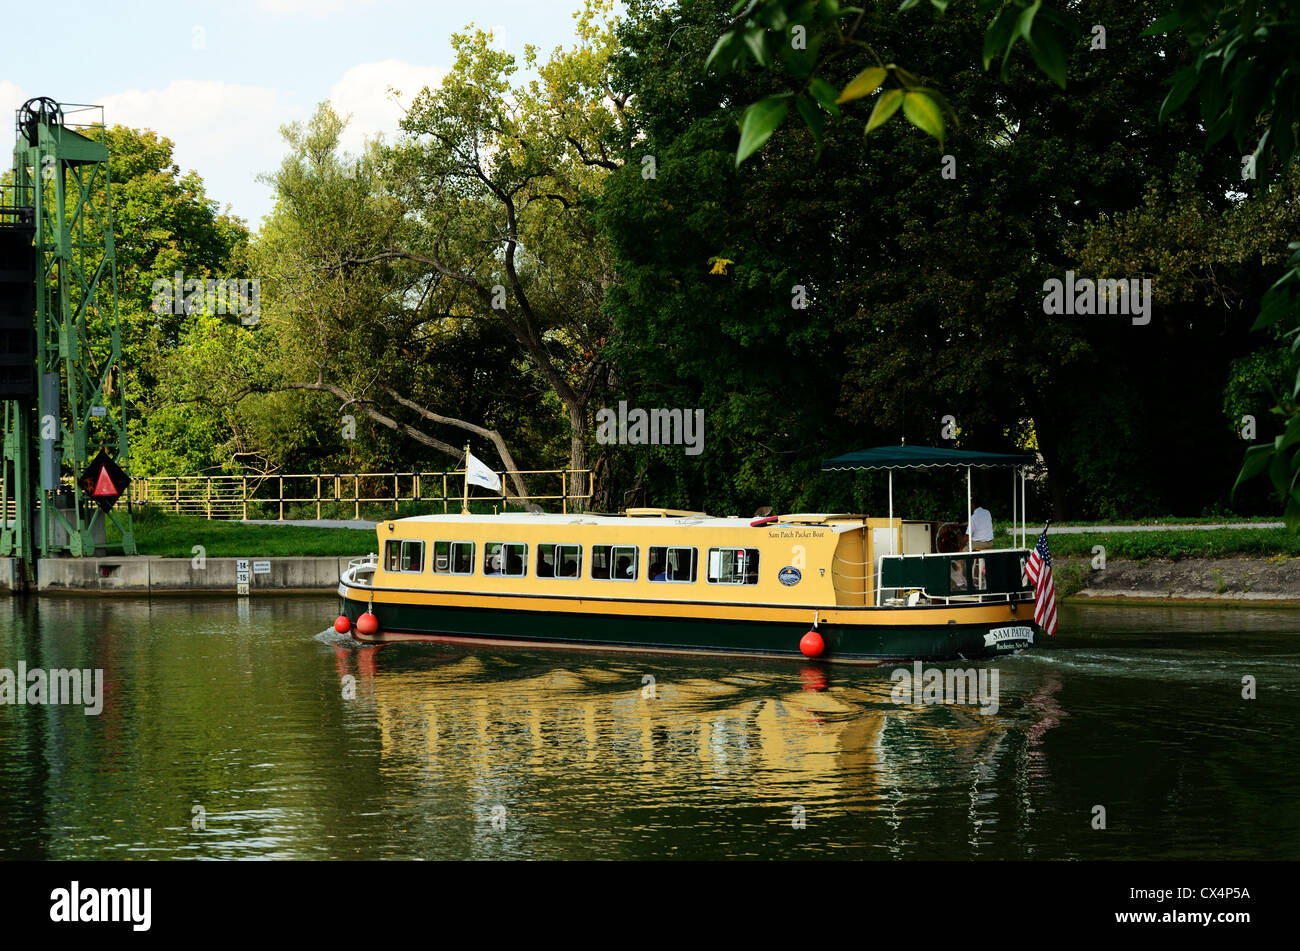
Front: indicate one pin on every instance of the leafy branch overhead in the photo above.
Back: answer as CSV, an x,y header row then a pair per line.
x,y
802,38
1246,67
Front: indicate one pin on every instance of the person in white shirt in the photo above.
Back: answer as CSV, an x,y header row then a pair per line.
x,y
979,530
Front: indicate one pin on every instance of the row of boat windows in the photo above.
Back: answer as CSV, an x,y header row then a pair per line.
x,y
605,562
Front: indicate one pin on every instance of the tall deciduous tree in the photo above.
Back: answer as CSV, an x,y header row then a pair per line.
x,y
494,184
360,336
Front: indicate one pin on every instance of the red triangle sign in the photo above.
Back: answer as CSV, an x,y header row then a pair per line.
x,y
104,487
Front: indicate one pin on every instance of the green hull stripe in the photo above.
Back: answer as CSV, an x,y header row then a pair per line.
x,y
843,642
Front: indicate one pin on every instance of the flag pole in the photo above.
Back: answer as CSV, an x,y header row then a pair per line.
x,y
464,504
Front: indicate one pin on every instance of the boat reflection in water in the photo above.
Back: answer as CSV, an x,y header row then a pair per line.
x,y
535,741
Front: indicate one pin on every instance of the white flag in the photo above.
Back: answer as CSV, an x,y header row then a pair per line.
x,y
476,473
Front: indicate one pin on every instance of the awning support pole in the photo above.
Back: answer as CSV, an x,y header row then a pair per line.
x,y
893,539
1024,540
970,542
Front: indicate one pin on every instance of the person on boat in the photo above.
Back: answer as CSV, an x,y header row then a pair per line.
x,y
957,574
657,571
494,563
979,530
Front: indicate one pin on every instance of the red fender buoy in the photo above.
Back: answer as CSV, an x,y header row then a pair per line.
x,y
368,624
811,644
342,624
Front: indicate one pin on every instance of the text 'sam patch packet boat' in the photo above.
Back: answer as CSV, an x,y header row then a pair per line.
x,y
874,589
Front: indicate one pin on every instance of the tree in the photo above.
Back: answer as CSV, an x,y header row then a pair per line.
x,y
924,290
164,223
1245,64
361,337
494,183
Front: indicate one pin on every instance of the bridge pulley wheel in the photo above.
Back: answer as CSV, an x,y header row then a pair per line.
x,y
35,111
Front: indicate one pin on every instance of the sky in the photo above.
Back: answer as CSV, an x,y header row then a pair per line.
x,y
219,79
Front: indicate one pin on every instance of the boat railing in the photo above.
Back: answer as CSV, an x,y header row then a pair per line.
x,y
990,575
361,571
996,597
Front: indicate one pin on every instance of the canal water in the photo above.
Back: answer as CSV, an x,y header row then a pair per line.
x,y
236,729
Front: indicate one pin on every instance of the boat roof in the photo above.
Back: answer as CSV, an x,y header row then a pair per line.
x,y
924,457
643,518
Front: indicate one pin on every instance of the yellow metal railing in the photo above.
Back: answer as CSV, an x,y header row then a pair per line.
x,y
231,496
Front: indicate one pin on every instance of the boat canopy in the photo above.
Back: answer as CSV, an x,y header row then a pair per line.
x,y
920,457
925,457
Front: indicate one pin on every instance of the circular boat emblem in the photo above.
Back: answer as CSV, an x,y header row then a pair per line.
x,y
789,576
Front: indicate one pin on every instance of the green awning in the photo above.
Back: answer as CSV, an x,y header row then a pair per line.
x,y
920,457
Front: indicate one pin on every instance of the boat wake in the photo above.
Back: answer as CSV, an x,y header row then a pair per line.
x,y
1187,666
333,638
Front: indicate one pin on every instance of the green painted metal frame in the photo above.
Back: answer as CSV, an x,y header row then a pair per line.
x,y
78,338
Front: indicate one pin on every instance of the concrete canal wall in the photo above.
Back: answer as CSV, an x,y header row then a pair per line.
x,y
1188,579
146,574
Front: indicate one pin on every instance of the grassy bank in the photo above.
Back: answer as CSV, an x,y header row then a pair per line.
x,y
174,536
1178,544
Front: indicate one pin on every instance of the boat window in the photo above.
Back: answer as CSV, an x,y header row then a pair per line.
x,y
559,561
453,558
403,556
733,566
672,564
509,559
614,562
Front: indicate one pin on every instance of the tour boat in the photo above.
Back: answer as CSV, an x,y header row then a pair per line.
x,y
842,588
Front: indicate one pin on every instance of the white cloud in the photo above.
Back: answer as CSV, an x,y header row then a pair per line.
x,y
227,132
11,97
363,92
230,133
317,8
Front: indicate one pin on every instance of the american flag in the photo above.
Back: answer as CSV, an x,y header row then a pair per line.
x,y
1039,570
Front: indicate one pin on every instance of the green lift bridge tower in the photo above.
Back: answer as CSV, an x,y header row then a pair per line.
x,y
65,444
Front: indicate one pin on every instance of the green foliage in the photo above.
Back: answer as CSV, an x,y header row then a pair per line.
x,y
1041,28
687,335
925,292
164,222
1246,67
1255,381
802,40
761,120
